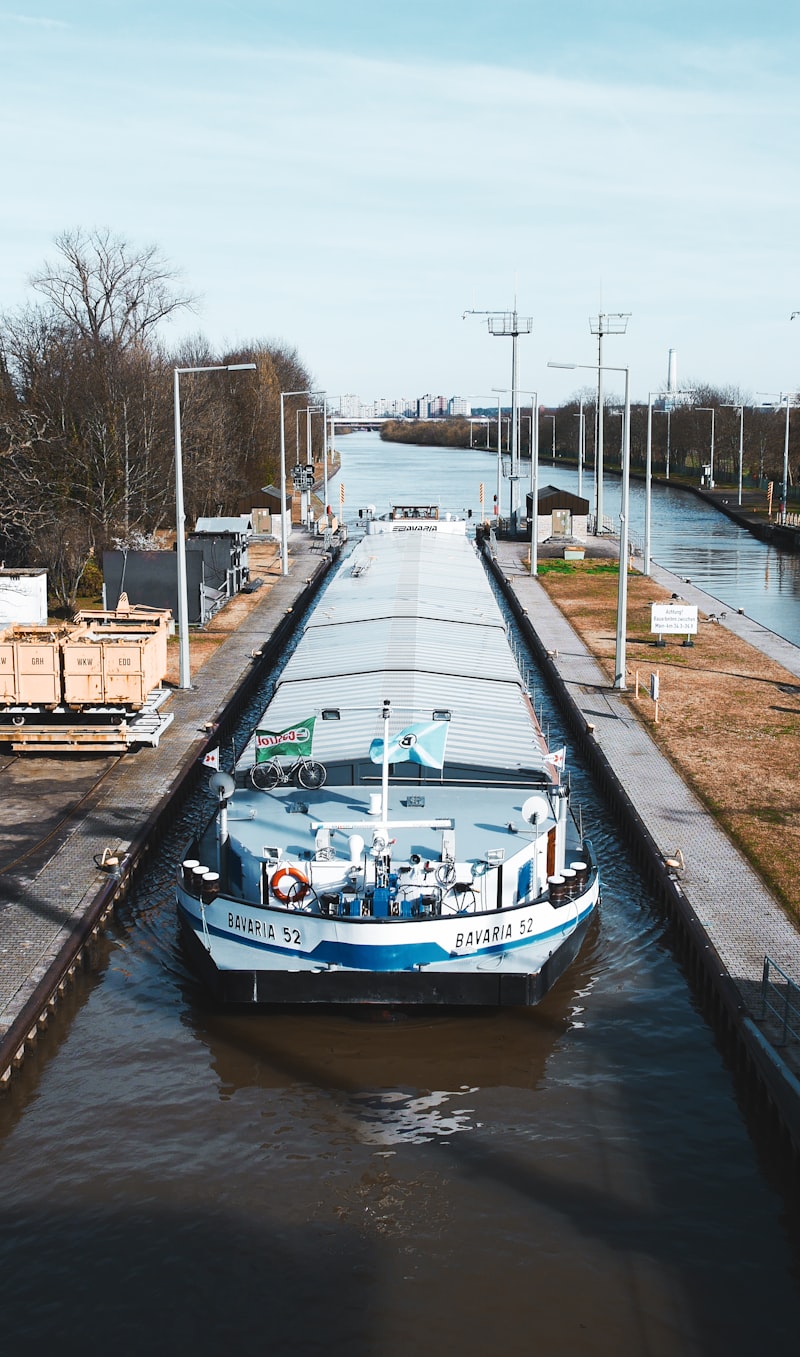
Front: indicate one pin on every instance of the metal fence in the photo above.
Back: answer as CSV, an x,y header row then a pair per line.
x,y
780,998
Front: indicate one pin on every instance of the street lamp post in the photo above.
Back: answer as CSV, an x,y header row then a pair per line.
x,y
581,418
185,676
622,592
554,436
648,475
784,396
327,445
284,533
534,483
534,395
305,496
709,409
741,449
499,460
668,413
785,480
740,408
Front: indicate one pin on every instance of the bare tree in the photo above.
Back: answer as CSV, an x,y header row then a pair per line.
x,y
108,292
86,370
86,429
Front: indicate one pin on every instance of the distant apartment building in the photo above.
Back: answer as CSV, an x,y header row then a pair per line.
x,y
384,407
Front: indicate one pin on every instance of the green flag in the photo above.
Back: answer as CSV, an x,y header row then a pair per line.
x,y
295,741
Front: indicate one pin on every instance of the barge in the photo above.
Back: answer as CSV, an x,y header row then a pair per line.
x,y
396,830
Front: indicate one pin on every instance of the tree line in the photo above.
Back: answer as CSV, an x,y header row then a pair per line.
x,y
87,434
680,434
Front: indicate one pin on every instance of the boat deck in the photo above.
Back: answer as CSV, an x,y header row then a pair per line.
x,y
290,820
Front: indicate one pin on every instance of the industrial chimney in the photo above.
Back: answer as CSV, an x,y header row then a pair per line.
x,y
672,373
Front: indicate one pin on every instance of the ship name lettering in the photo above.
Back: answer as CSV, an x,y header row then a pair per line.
x,y
483,937
253,927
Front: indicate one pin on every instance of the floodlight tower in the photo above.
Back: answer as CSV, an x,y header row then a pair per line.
x,y
505,324
607,323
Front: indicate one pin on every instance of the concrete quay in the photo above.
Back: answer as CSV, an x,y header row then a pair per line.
x,y
728,919
50,911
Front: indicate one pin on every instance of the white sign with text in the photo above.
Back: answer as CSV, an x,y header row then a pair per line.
x,y
673,619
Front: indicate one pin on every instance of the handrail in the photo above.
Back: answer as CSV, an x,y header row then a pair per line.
x,y
782,1001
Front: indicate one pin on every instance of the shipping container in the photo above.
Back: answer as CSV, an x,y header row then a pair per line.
x,y
30,665
101,659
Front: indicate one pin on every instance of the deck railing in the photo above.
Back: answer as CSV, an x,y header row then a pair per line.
x,y
780,997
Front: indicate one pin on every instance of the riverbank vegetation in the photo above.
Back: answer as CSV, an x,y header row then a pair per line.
x,y
729,717
436,433
87,435
680,436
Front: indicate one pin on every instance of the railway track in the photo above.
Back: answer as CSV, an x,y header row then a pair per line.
x,y
41,799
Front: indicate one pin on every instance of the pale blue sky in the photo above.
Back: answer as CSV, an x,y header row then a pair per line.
x,y
350,179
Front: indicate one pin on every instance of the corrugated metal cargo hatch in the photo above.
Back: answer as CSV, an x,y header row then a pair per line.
x,y
412,620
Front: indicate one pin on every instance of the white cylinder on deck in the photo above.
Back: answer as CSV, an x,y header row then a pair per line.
x,y
356,845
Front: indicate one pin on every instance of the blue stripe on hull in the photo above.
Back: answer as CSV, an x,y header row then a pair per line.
x,y
378,958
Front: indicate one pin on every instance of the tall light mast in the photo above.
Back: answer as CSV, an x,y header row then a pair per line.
x,y
607,323
505,324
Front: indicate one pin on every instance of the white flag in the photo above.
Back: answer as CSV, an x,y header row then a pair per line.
x,y
557,758
211,759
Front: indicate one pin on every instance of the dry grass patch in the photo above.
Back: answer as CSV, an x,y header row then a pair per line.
x,y
729,717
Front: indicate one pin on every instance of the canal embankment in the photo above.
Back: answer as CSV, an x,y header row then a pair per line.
x,y
751,513
53,913
725,920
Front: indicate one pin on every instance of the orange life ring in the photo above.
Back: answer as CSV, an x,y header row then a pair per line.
x,y
296,888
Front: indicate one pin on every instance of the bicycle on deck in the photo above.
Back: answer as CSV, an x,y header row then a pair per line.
x,y
305,773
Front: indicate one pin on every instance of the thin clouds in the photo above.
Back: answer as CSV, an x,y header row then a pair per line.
x,y
32,20
295,187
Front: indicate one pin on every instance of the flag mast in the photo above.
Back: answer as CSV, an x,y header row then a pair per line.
x,y
385,765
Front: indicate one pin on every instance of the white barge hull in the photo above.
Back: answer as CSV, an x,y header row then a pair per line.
x,y
513,956
396,830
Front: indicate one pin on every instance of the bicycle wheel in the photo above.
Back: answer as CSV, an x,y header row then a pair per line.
x,y
265,776
311,775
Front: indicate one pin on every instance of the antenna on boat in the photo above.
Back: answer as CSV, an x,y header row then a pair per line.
x,y
385,763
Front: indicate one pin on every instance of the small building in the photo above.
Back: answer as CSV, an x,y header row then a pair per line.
x,y
216,569
562,516
267,512
150,579
223,542
240,525
23,597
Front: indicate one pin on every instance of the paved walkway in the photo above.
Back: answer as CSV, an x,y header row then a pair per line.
x,y
39,912
741,918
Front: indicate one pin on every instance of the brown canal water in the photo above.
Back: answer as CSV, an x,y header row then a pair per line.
x,y
578,1178
581,1178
